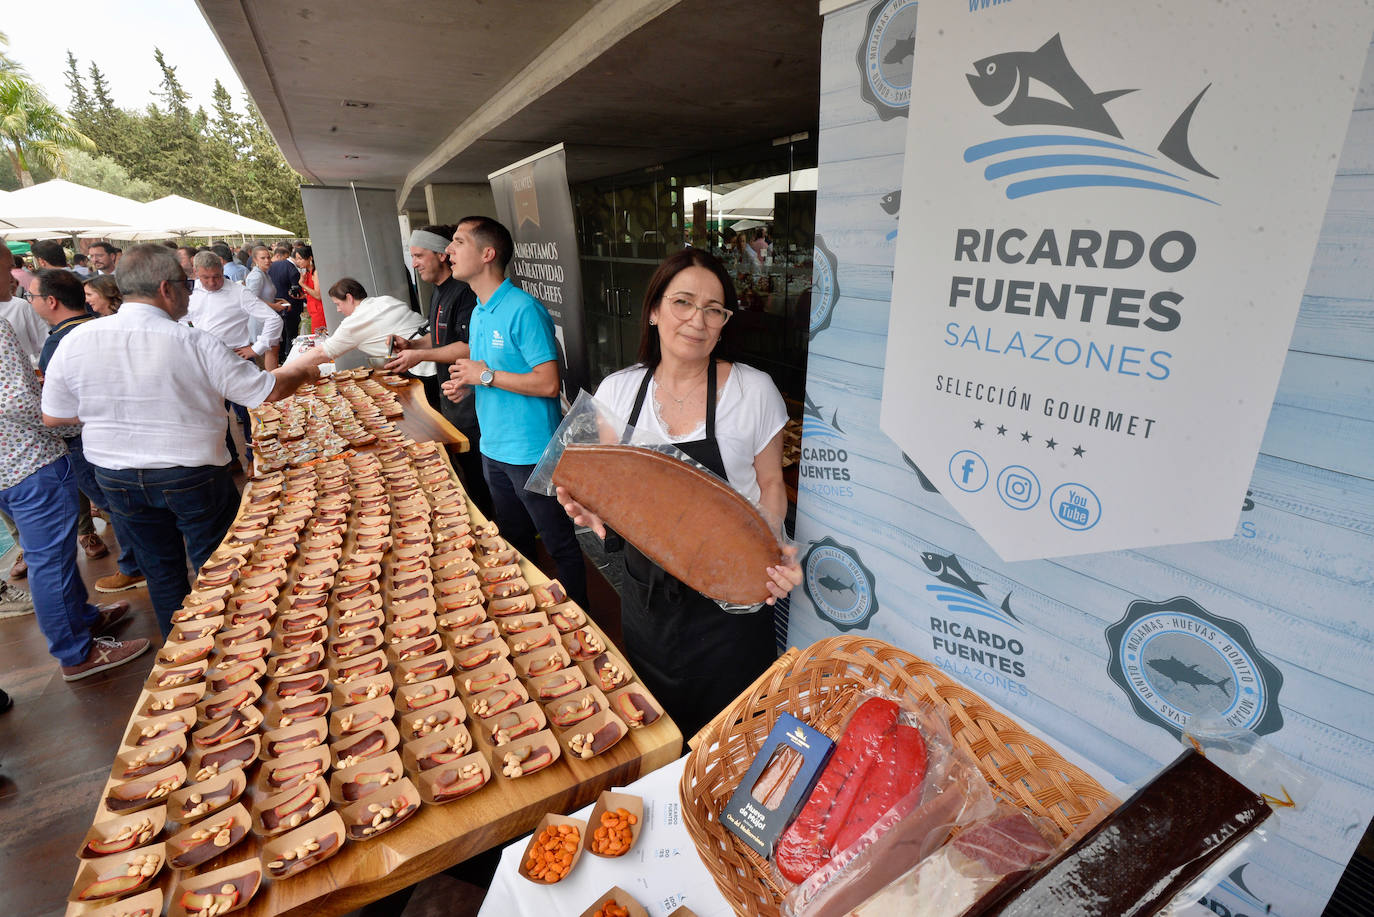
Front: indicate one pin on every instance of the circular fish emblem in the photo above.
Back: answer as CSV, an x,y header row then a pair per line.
x,y
825,289
886,56
1175,659
840,587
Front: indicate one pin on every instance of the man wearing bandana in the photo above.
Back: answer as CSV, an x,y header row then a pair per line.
x,y
450,310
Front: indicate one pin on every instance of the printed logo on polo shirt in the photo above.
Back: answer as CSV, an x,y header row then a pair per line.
x,y
496,339
886,57
1175,659
838,584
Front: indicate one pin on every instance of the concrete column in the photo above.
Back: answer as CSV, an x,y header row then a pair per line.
x,y
448,203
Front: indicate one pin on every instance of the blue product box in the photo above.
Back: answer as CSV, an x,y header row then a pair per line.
x,y
777,783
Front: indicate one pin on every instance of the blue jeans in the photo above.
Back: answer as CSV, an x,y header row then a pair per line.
x,y
520,513
86,482
43,505
157,509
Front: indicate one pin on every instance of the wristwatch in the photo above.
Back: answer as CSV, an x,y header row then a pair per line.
x,y
487,377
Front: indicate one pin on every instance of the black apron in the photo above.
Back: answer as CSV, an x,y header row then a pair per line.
x,y
693,656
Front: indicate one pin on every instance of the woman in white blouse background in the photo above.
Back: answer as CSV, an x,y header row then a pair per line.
x,y
369,322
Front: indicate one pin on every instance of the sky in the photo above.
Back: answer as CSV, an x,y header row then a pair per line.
x,y
120,38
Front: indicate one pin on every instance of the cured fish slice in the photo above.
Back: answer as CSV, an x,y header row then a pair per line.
x,y
684,519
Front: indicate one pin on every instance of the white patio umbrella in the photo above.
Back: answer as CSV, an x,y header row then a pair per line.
x,y
756,198
59,206
181,216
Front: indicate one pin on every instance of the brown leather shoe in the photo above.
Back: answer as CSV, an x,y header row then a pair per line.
x,y
110,615
19,569
119,582
92,545
106,653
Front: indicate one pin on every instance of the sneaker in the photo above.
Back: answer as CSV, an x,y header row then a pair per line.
x,y
20,569
15,600
106,653
92,545
119,582
110,615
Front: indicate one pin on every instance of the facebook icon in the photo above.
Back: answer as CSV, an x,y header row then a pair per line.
x,y
968,471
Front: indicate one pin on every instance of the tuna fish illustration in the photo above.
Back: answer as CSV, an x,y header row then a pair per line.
x,y
891,202
901,49
831,584
947,569
1013,76
1041,87
812,410
1180,672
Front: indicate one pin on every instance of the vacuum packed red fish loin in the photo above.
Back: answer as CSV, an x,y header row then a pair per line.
x,y
900,769
808,841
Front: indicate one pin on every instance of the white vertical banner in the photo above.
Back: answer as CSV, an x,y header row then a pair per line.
x,y
1110,210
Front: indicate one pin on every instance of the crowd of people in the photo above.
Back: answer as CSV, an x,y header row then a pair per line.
x,y
100,421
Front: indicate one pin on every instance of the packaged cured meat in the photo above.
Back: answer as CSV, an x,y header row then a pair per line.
x,y
984,854
683,517
894,788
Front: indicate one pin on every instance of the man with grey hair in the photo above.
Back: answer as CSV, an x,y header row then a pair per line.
x,y
227,310
150,392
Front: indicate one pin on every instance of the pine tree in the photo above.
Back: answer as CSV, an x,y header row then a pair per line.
x,y
80,109
178,165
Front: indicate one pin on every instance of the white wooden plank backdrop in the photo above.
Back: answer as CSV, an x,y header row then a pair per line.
x,y
1299,573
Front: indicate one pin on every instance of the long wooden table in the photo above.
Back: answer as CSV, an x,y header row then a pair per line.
x,y
437,836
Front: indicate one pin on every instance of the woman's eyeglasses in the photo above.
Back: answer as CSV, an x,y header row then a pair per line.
x,y
713,316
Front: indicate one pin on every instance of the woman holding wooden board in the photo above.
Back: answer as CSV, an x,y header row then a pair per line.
x,y
692,655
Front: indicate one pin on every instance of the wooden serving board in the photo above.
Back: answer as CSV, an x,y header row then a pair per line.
x,y
437,836
687,521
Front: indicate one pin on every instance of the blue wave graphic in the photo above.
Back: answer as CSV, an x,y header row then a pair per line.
x,y
1028,163
1060,160
959,600
1007,144
820,429
1061,182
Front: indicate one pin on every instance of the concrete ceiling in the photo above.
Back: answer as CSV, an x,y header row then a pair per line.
x,y
456,89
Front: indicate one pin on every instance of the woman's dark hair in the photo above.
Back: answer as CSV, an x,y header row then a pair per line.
x,y
649,352
346,288
305,251
105,285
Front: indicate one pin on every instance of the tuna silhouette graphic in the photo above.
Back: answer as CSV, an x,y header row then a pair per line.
x,y
948,570
1180,672
831,584
1015,77
811,409
1042,88
901,49
891,202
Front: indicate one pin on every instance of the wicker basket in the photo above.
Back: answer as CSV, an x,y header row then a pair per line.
x,y
818,685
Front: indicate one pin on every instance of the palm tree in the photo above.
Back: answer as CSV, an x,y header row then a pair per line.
x,y
32,128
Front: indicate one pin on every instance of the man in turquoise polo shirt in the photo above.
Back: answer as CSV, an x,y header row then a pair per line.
x,y
512,371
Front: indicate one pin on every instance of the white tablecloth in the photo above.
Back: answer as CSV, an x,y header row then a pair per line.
x,y
662,872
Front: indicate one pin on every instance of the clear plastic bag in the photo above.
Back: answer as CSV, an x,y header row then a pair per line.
x,y
952,792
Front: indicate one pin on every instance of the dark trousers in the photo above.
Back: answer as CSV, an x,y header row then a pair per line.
x,y
246,422
521,514
290,330
85,480
43,505
165,512
470,470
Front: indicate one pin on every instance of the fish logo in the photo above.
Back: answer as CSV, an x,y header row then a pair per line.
x,y
825,286
886,57
814,423
1175,659
1041,88
967,595
1183,673
920,475
891,202
842,590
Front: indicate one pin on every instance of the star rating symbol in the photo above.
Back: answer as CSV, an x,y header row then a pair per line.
x,y
1050,443
1026,437
1078,451
1001,430
978,425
